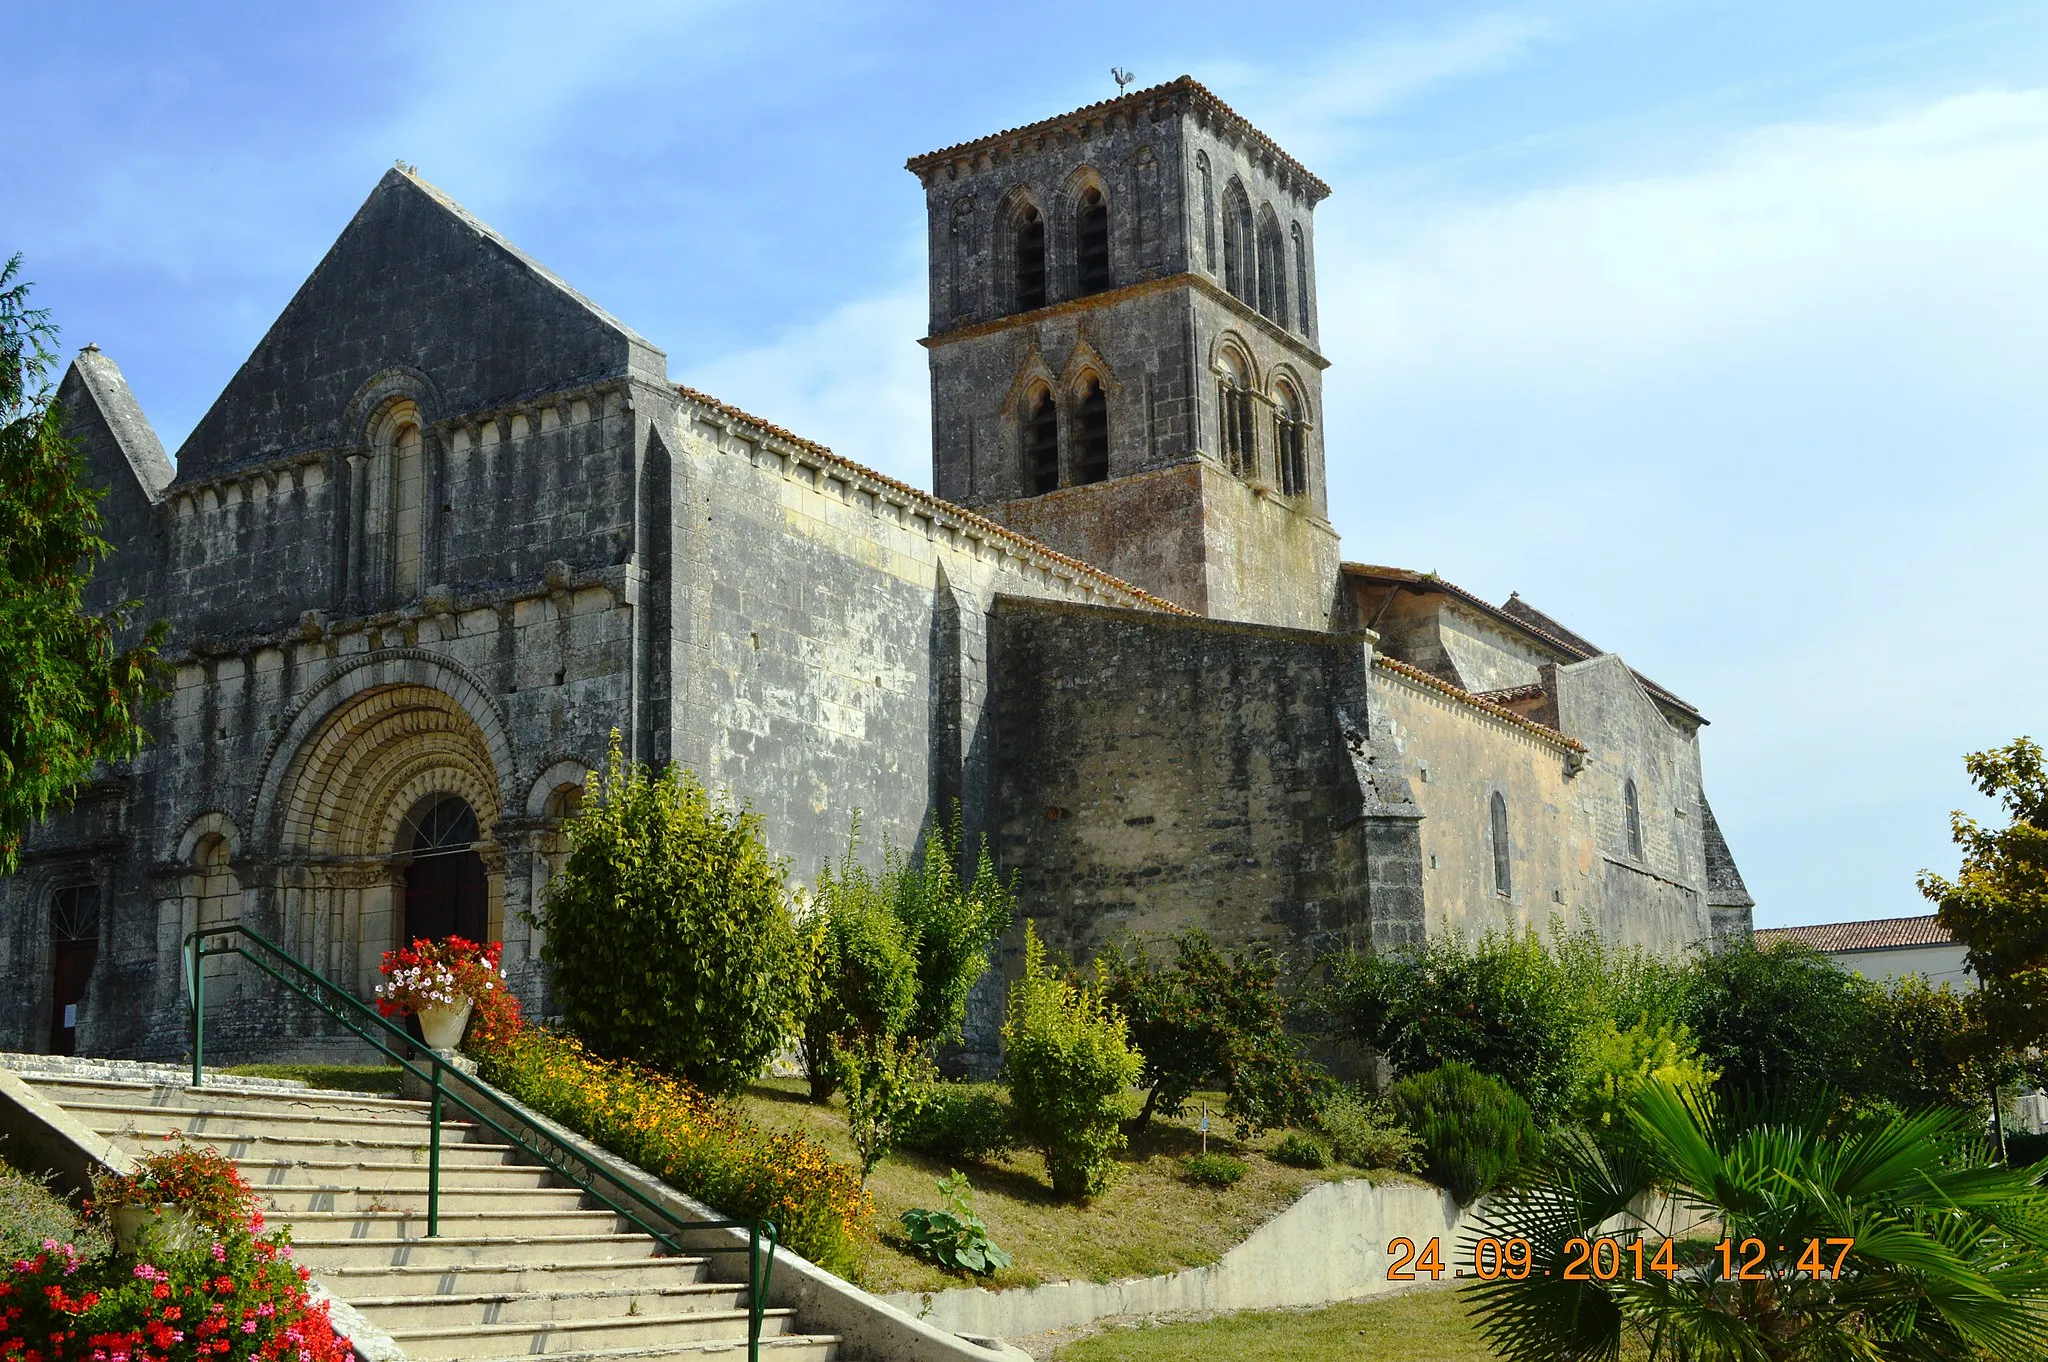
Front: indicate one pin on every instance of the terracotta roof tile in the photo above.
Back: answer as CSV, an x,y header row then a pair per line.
x,y
1519,614
1874,934
1478,702
1135,99
981,524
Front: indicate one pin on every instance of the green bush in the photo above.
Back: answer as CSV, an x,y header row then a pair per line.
x,y
1302,1151
960,1123
700,1147
1207,1019
2024,1150
1622,1059
1476,1134
1070,1062
1500,1005
1781,1019
668,932
1364,1133
955,1238
1918,1049
951,924
885,1080
1214,1170
31,1212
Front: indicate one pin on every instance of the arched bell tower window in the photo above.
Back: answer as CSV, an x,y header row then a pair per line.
x,y
1300,279
1632,818
1042,444
1234,411
1272,271
446,890
1208,211
1091,242
1240,269
1503,871
1092,459
74,950
1028,235
1290,429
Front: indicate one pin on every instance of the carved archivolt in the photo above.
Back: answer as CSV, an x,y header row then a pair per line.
x,y
372,761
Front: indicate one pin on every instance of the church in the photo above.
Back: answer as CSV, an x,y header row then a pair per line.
x,y
451,524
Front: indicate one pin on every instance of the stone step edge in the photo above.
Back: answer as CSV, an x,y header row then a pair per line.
x,y
238,1085
32,1067
594,1294
646,1263
566,1325
261,1114
705,1345
302,1244
341,1142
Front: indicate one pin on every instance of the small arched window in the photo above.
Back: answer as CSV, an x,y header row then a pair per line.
x,y
1272,271
1300,279
1208,211
1091,242
1092,458
1234,411
1503,875
1042,445
1290,430
1632,818
1029,236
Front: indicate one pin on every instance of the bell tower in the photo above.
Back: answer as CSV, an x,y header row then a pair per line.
x,y
1123,349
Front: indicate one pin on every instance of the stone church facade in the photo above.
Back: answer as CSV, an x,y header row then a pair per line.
x,y
451,524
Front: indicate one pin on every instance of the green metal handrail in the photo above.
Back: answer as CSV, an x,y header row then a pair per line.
x,y
367,1024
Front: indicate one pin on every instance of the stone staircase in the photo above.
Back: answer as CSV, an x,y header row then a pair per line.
x,y
523,1266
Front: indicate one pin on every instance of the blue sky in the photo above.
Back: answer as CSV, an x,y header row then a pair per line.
x,y
1716,330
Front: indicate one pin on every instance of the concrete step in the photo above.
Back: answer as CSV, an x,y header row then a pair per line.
x,y
475,1279
264,1148
321,1252
84,1092
287,1202
647,1300
783,1348
584,1335
412,1223
214,1123
401,1178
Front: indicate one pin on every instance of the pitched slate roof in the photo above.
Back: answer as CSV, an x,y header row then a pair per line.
x,y
1874,934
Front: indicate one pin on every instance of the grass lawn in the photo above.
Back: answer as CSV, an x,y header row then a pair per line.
x,y
1415,1326
377,1078
1152,1220
1427,1325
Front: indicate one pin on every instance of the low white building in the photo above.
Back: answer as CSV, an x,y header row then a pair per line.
x,y
1883,949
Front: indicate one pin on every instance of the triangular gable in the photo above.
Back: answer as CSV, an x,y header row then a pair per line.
x,y
125,459
414,283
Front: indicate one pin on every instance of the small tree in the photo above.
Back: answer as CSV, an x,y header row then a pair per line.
x,y
1781,1018
1069,1060
668,929
862,976
1998,905
1207,1018
951,924
885,1078
69,698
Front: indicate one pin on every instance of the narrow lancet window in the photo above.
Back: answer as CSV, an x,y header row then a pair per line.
x,y
1091,242
1503,881
1300,280
1042,445
1092,465
1234,410
1632,819
1030,239
1208,211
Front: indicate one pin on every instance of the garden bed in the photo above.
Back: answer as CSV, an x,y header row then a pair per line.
x,y
1152,1219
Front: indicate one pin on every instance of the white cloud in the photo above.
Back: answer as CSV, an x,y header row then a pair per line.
x,y
1771,424
854,379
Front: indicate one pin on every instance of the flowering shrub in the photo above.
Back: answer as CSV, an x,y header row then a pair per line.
x,y
238,1298
447,974
201,1181
701,1147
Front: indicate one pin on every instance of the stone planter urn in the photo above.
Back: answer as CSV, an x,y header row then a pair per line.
x,y
161,1228
442,1027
